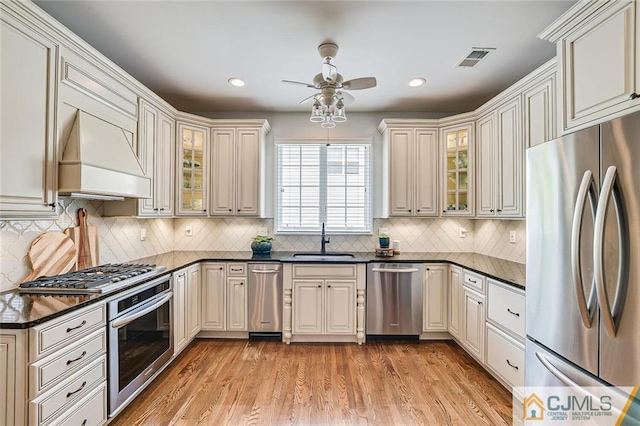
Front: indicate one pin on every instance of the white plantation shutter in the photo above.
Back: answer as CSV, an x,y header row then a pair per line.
x,y
324,183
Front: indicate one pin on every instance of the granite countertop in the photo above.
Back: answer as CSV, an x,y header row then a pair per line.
x,y
26,310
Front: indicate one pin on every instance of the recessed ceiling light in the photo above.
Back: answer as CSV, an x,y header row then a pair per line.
x,y
417,82
236,81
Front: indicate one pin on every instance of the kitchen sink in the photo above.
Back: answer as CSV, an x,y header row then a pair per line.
x,y
323,256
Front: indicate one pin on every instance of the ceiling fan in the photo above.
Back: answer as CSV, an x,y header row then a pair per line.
x,y
328,105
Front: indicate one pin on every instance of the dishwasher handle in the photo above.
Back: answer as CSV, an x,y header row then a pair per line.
x,y
265,271
403,270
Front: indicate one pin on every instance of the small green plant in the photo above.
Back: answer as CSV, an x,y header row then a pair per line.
x,y
383,236
262,239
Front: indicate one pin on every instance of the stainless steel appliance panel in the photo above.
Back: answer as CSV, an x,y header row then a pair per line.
x,y
619,260
394,298
140,331
265,297
563,179
544,368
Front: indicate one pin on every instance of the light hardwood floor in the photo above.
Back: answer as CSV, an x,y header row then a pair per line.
x,y
218,382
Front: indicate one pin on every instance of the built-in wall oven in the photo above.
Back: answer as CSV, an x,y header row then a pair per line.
x,y
140,339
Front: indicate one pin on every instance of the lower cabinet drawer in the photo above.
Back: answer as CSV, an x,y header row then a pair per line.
x,y
51,370
505,356
51,404
89,411
507,308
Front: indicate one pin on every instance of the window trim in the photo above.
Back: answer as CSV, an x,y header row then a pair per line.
x,y
322,141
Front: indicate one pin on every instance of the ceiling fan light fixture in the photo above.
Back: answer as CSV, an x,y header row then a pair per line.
x,y
328,122
415,82
317,116
236,81
339,115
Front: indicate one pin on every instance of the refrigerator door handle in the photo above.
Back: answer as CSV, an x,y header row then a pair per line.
x,y
611,315
555,371
587,188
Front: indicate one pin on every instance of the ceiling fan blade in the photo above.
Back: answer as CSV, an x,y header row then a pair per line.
x,y
309,98
360,83
329,72
297,83
347,98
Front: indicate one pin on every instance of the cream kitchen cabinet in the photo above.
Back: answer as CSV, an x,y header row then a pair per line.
x,y
13,377
156,131
214,284
324,306
506,334
458,170
455,301
540,112
473,323
224,298
238,169
500,153
435,304
598,55
193,142
28,154
324,302
186,306
411,171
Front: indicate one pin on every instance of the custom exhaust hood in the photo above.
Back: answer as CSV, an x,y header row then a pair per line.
x,y
98,162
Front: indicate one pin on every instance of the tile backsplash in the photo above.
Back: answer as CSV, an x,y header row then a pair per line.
x,y
120,237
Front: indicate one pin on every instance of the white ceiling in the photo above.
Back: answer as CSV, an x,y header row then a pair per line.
x,y
185,51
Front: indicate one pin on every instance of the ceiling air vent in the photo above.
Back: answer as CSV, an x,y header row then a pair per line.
x,y
475,56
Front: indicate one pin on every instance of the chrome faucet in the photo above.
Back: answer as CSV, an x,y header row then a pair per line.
x,y
324,241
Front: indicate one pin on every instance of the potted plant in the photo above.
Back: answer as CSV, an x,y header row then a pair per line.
x,y
384,240
261,245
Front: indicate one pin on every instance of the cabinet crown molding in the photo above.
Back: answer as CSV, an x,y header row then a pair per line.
x,y
576,16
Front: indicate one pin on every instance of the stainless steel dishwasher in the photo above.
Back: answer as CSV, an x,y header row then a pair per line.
x,y
265,301
394,298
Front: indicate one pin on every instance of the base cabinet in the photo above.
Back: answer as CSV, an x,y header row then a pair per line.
x,y
186,306
435,304
224,297
324,303
473,323
455,301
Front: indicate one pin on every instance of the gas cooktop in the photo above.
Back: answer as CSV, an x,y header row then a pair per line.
x,y
98,279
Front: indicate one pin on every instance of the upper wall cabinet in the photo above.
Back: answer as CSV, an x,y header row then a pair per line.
x,y
28,154
500,153
193,142
539,105
157,132
598,52
237,168
458,183
410,177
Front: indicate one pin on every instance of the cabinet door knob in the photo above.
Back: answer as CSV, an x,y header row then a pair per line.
x,y
444,211
205,210
319,286
479,302
409,210
230,210
491,210
162,209
241,283
417,210
499,210
329,286
634,96
239,210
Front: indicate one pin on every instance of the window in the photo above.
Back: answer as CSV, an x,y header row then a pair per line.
x,y
323,183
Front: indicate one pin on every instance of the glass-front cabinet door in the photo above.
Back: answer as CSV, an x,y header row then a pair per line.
x,y
192,169
458,170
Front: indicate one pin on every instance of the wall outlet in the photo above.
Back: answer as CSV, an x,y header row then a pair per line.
x,y
264,231
189,231
462,232
143,234
383,231
512,237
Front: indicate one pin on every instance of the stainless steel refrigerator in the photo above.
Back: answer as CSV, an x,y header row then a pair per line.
x,y
583,258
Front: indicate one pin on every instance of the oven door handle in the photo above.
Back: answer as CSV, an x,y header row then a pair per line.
x,y
144,310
